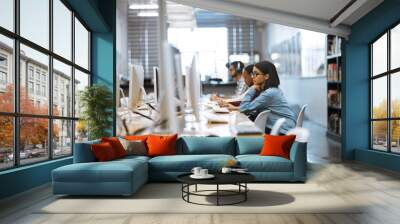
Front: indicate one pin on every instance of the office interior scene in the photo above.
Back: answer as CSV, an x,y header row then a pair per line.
x,y
211,111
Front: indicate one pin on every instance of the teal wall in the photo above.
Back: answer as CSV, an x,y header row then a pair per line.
x,y
99,16
24,178
356,137
104,51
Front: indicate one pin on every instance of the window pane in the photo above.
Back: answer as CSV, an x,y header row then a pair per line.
x,y
395,94
81,131
395,47
62,29
62,89
379,55
33,139
81,81
7,14
6,74
379,97
395,138
379,135
6,142
34,81
81,45
62,138
35,21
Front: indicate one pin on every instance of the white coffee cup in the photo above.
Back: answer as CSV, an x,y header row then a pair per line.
x,y
226,170
196,171
203,172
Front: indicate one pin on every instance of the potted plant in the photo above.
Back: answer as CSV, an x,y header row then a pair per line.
x,y
96,104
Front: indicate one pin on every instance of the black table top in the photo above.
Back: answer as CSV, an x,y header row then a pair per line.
x,y
220,178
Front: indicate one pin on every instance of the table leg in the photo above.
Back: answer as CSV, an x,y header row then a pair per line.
x,y
217,194
196,187
188,190
245,193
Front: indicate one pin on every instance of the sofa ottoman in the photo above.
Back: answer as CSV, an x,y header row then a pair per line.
x,y
119,177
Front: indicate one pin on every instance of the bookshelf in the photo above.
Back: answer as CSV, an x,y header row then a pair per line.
x,y
334,84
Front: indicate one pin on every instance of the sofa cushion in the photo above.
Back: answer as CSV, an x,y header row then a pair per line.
x,y
161,145
249,145
257,163
134,147
116,145
277,145
194,145
103,152
112,171
185,163
83,152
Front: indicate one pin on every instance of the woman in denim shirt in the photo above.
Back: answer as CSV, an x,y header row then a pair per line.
x,y
266,95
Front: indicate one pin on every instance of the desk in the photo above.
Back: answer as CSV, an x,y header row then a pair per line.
x,y
189,125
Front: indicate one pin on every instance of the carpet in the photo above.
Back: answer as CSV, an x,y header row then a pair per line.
x,y
166,198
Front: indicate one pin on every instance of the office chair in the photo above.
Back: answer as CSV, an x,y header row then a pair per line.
x,y
261,120
277,126
300,116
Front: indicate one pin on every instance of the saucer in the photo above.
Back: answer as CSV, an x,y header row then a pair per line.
x,y
208,176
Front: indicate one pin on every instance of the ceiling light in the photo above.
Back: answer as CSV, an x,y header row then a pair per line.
x,y
148,14
143,6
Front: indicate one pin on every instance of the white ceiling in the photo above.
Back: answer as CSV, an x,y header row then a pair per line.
x,y
320,9
313,15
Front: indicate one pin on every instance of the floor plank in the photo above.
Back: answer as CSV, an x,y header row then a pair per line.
x,y
377,190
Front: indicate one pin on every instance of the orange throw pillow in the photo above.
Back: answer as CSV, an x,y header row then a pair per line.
x,y
103,152
159,145
277,145
116,145
136,137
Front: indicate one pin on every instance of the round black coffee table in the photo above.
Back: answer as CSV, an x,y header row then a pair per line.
x,y
238,179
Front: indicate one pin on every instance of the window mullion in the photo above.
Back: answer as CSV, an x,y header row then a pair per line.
x,y
50,81
73,82
16,85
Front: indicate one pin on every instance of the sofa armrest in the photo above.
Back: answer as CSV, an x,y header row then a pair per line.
x,y
298,155
83,152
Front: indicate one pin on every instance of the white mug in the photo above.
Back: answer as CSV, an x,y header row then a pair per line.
x,y
196,171
226,170
203,172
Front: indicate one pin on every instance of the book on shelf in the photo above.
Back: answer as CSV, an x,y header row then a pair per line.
x,y
334,44
334,98
334,123
334,72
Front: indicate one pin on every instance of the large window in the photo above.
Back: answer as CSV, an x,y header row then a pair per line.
x,y
212,50
385,92
40,80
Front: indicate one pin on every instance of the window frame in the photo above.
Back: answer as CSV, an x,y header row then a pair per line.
x,y
16,114
388,74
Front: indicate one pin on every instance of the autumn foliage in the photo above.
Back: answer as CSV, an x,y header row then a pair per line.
x,y
380,127
33,131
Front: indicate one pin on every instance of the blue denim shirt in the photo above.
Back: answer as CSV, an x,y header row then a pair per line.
x,y
271,99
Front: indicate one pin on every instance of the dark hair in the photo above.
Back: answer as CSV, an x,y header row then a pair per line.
x,y
238,65
249,68
267,67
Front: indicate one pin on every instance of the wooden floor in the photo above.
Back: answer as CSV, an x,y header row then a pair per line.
x,y
378,189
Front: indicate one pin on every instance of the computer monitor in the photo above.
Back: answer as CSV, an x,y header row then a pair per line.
x,y
156,83
135,85
193,88
178,77
167,100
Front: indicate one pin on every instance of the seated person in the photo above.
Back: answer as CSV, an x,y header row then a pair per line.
x,y
235,70
266,95
233,104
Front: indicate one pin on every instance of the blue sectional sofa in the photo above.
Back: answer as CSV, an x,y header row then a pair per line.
x,y
125,176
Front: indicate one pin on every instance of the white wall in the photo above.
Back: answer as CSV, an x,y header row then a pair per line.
x,y
299,90
121,41
311,91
